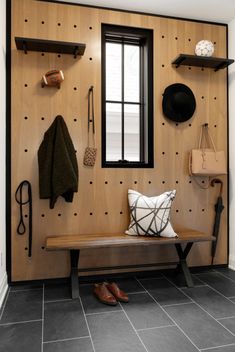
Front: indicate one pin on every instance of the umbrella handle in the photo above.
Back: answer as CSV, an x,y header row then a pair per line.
x,y
217,180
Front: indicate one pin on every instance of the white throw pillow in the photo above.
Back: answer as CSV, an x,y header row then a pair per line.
x,y
150,216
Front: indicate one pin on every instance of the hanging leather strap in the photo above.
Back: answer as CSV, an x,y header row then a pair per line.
x,y
205,132
91,115
21,229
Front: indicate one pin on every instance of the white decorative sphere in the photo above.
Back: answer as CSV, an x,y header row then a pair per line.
x,y
204,48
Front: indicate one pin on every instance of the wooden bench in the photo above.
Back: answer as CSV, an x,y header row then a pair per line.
x,y
75,243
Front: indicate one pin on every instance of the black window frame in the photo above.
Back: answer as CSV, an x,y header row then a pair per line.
x,y
144,39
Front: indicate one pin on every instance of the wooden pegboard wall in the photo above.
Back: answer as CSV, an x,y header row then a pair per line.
x,y
101,203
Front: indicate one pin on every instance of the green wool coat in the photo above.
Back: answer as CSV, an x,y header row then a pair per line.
x,y
58,168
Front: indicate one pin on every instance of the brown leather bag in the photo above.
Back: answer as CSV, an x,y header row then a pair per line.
x,y
52,78
90,152
206,161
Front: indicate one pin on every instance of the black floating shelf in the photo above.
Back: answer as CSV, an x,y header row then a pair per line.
x,y
52,46
202,61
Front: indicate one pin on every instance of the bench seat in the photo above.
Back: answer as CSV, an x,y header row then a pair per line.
x,y
75,243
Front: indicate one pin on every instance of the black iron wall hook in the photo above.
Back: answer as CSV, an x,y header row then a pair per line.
x,y
21,228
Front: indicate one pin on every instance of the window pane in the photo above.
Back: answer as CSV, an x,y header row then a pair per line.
x,y
113,132
132,73
113,71
132,132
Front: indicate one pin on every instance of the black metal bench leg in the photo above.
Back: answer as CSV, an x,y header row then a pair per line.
x,y
74,258
182,254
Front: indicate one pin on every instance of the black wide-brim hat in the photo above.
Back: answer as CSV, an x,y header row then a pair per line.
x,y
178,102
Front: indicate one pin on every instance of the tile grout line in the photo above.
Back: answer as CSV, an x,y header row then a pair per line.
x,y
156,327
205,311
170,317
27,289
233,316
214,289
59,300
176,304
105,312
4,305
72,338
211,348
217,272
136,332
21,322
92,343
43,292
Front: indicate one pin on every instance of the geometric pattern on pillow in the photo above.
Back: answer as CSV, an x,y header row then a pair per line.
x,y
150,216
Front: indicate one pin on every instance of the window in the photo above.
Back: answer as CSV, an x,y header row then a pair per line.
x,y
127,97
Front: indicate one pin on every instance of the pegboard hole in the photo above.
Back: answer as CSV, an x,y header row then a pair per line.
x,y
26,20
163,123
163,65
150,182
59,214
202,69
121,182
91,213
190,124
215,98
26,117
190,181
189,68
43,247
163,153
26,85
163,36
176,124
215,43
42,54
26,150
74,88
177,153
26,248
42,215
121,212
106,213
215,126
189,39
75,120
177,182
75,214
177,210
42,118
202,97
90,58
58,55
163,182
42,22
75,151
74,26
203,210
91,182
59,24
190,210
203,181
176,38
135,182
106,182
90,28
26,215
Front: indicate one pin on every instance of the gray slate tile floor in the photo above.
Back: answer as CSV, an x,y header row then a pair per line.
x,y
163,315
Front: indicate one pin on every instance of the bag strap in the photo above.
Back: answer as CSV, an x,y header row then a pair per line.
x,y
91,115
205,132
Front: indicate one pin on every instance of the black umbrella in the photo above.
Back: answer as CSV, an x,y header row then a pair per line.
x,y
218,210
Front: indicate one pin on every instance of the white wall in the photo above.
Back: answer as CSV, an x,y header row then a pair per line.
x,y
3,276
231,55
